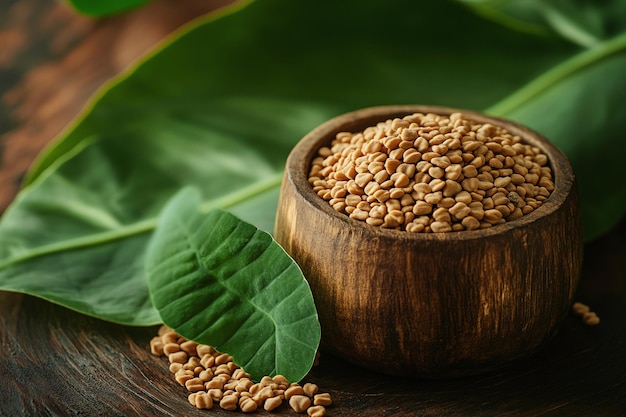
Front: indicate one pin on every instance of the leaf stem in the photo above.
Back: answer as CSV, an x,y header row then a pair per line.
x,y
144,226
558,73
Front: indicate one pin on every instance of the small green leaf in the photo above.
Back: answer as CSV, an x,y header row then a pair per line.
x,y
97,8
220,281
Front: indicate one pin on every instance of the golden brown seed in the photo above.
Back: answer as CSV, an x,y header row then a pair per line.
x,y
203,401
322,399
439,227
192,398
247,405
470,223
178,357
316,411
299,403
194,384
310,389
156,346
265,393
591,319
579,308
272,403
183,375
189,347
169,337
170,348
229,402
175,367
207,360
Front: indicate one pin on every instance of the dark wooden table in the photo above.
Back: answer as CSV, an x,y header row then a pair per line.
x,y
56,362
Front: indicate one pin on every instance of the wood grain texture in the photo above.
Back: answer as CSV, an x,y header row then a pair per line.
x,y
54,362
437,304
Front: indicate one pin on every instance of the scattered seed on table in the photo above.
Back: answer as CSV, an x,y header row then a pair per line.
x,y
213,379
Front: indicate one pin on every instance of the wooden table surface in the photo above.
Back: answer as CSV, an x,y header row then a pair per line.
x,y
57,362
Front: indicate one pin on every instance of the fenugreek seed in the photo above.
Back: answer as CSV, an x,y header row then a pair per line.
x,y
504,210
359,215
175,367
460,210
215,394
380,177
470,184
397,153
381,195
441,215
470,223
353,188
294,390
453,172
590,318
299,403
422,208
247,405
215,383
492,215
387,184
310,389
441,162
463,197
207,360
579,308
192,398
515,214
170,348
316,411
363,179
203,401
452,188
194,384
178,357
436,172
265,393
410,156
243,385
206,375
222,369
156,346
433,198
229,402
322,399
169,337
446,202
440,227
189,347
272,403
183,377
436,185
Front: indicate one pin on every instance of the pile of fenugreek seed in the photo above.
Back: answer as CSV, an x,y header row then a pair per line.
x,y
431,173
214,379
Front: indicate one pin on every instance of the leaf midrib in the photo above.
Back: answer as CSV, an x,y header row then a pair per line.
x,y
143,226
558,73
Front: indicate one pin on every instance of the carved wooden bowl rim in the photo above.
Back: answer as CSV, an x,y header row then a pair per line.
x,y
299,161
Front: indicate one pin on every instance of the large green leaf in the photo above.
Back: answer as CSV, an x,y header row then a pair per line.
x,y
98,8
220,106
222,282
584,22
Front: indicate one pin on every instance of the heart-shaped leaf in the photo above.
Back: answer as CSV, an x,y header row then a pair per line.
x,y
220,281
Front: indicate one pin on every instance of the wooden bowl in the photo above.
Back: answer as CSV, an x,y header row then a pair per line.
x,y
432,305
